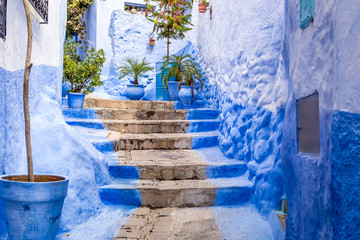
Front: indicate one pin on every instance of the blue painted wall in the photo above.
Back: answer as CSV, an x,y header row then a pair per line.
x,y
345,171
241,59
323,190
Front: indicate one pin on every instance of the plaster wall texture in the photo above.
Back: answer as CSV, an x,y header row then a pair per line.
x,y
345,160
239,51
57,149
322,190
309,61
98,18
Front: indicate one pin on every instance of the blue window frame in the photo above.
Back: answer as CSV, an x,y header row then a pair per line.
x,y
306,13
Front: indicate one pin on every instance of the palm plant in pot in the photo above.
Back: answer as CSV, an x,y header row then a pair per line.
x,y
136,69
188,84
83,74
173,70
32,203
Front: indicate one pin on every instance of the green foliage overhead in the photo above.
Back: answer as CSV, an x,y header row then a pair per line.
x,y
83,74
134,68
75,10
170,21
183,67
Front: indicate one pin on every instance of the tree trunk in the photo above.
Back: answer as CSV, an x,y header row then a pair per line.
x,y
28,66
168,47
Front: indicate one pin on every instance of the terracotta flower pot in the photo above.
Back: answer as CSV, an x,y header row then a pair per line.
x,y
202,7
152,42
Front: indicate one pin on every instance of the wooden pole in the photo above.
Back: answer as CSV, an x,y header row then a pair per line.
x,y
28,66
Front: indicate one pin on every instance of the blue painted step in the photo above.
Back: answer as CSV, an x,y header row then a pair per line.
x,y
187,193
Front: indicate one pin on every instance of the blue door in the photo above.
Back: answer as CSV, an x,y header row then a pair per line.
x,y
162,94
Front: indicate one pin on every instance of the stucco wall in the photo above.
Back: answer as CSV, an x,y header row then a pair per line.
x,y
239,51
345,159
323,190
98,18
57,148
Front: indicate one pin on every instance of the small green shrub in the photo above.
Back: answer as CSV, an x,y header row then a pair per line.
x,y
83,74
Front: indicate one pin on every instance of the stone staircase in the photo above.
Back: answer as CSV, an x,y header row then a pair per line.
x,y
152,157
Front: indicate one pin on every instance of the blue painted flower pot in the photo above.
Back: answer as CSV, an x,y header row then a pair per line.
x,y
33,209
65,87
76,100
173,90
135,91
185,95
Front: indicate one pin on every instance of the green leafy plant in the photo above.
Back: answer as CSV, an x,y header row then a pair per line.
x,y
75,10
170,21
83,74
183,67
134,68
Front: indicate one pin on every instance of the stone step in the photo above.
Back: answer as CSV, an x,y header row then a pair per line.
x,y
172,165
148,126
163,140
124,104
140,114
182,193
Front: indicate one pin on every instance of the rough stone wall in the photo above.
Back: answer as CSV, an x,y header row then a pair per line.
x,y
240,52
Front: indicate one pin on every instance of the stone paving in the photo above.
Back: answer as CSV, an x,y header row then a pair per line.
x,y
170,224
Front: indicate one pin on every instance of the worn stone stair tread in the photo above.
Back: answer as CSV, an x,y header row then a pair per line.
x,y
236,182
118,135
145,122
140,114
91,102
175,157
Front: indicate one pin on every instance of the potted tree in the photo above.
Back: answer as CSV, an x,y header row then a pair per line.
x,y
172,71
188,84
32,203
83,74
169,19
134,68
203,5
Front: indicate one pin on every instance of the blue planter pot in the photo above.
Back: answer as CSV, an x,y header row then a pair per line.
x,y
135,92
65,87
33,209
76,100
173,90
185,95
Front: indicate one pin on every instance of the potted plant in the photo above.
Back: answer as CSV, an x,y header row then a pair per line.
x,y
172,70
32,203
151,39
188,84
83,74
134,68
169,19
203,5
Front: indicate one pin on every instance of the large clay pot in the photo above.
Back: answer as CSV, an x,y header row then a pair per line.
x,y
202,7
76,100
135,91
32,209
186,95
